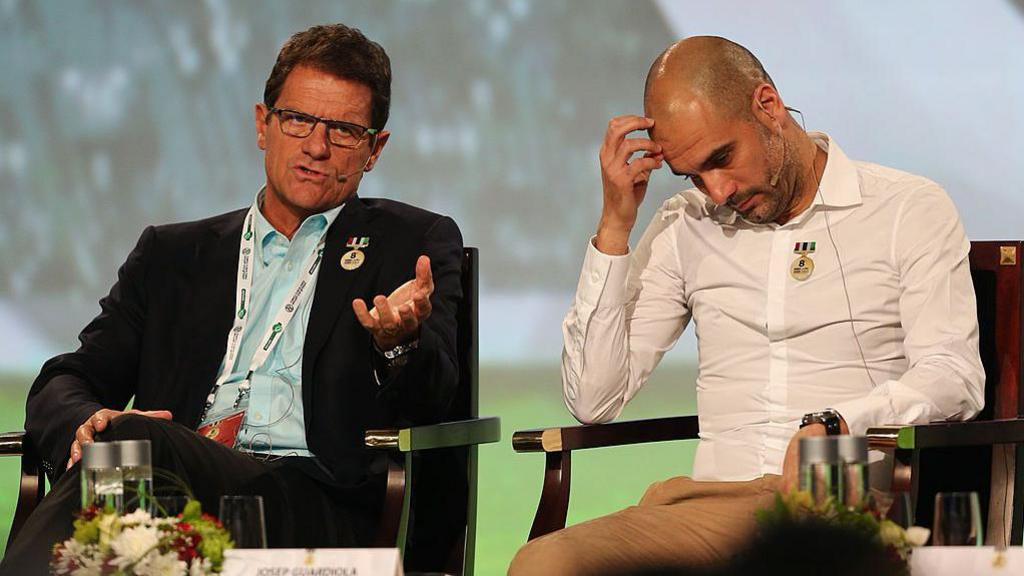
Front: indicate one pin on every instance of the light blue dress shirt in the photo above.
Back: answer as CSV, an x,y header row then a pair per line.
x,y
274,421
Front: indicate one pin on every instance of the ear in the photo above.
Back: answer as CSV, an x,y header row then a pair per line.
x,y
261,113
378,147
767,106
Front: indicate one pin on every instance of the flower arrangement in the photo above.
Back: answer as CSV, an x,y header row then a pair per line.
x,y
864,521
137,544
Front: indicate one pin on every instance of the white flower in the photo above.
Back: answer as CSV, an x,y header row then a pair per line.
x,y
133,543
87,557
161,565
917,536
139,516
200,567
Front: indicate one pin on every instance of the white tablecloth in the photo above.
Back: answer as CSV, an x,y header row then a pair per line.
x,y
962,560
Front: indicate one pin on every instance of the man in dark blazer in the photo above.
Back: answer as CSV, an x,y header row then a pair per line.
x,y
164,335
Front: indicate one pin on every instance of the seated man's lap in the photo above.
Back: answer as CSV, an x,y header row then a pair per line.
x,y
301,508
679,522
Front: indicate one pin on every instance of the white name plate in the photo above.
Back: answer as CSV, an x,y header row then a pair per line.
x,y
318,562
960,560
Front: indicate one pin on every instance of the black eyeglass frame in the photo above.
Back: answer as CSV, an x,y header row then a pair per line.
x,y
373,132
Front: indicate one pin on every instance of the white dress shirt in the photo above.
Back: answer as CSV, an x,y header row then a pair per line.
x,y
773,347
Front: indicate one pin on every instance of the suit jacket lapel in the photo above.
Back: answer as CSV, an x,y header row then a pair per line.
x,y
216,264
332,288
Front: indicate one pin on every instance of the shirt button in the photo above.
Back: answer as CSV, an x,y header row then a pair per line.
x,y
595,277
289,266
257,416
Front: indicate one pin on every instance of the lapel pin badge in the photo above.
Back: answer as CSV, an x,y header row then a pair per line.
x,y
803,266
355,257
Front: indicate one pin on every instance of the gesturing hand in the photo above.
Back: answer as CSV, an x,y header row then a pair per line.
x,y
624,180
99,421
396,319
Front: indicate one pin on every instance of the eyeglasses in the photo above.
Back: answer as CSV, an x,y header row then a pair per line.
x,y
343,134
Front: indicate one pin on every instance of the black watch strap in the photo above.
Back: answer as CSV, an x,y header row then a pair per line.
x,y
829,417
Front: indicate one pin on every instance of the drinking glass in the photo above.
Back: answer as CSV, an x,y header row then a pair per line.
x,y
957,519
242,517
169,506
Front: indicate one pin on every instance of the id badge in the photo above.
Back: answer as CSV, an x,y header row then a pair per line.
x,y
224,431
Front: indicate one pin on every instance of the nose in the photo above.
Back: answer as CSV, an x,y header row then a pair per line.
x,y
317,145
718,187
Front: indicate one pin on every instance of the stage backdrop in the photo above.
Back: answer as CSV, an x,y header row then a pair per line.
x,y
114,116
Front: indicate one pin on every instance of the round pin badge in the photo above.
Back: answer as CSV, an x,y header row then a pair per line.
x,y
352,259
802,268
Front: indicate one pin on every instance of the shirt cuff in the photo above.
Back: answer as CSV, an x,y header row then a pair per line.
x,y
864,413
603,279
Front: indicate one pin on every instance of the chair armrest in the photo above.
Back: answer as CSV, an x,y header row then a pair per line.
x,y
570,438
947,434
12,443
470,432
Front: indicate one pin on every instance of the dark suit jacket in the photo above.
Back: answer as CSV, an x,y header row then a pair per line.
x,y
161,336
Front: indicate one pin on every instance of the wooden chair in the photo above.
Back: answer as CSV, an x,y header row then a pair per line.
x,y
929,458
985,455
440,460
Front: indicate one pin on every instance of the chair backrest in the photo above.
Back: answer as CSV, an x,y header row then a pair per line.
x,y
443,508
997,269
998,274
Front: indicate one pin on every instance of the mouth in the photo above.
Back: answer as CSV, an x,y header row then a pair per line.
x,y
307,173
746,205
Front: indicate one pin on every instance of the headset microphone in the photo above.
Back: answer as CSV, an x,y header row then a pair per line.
x,y
775,178
342,178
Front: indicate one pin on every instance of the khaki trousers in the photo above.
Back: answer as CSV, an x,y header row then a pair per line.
x,y
679,523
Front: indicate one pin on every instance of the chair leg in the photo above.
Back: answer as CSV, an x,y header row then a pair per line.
x,y
1017,523
393,518
30,493
554,498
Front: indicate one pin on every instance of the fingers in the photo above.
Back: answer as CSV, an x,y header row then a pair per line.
x,y
389,319
631,146
643,166
424,277
620,126
421,305
363,315
76,454
98,422
102,418
408,318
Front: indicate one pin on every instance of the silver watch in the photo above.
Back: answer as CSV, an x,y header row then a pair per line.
x,y
829,417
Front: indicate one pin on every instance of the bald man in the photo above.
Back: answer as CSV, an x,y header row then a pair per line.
x,y
828,295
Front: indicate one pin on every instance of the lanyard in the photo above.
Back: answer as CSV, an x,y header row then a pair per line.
x,y
299,293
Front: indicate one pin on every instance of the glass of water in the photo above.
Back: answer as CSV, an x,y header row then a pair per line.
x,y
957,520
242,516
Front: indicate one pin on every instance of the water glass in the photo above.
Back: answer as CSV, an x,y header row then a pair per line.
x,y
957,520
242,516
169,506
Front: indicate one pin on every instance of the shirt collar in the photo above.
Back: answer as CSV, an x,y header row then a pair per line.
x,y
839,187
266,233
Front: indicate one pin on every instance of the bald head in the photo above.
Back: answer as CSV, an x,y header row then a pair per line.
x,y
720,73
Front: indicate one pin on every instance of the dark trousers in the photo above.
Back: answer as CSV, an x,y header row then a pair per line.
x,y
302,505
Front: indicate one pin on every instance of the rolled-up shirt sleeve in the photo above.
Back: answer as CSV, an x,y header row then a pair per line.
x,y
628,311
945,379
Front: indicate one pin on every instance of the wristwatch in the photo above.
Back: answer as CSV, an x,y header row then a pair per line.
x,y
398,356
829,417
